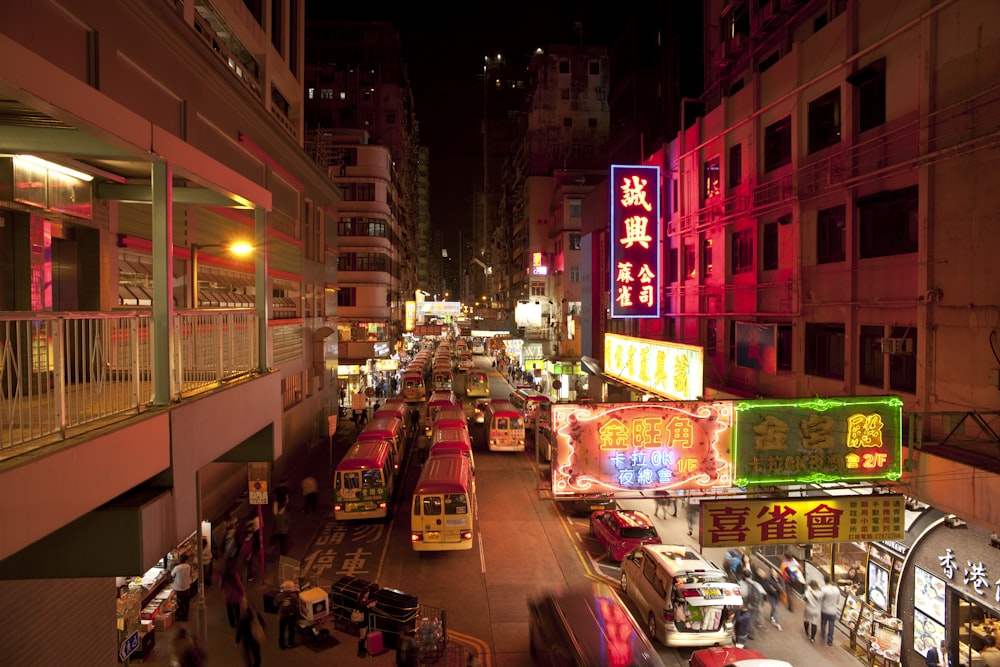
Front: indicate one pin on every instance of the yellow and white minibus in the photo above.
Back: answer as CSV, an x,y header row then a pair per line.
x,y
477,383
443,511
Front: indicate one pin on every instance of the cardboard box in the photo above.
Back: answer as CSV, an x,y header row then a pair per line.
x,y
314,604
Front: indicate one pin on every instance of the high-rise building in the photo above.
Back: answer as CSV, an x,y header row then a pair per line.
x,y
144,367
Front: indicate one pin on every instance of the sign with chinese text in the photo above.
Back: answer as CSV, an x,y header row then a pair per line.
x,y
726,523
971,573
799,441
635,241
439,308
756,346
410,317
538,265
670,370
631,447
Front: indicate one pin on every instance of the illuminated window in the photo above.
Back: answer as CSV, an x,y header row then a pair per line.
x,y
574,237
710,180
824,121
326,94
831,235
825,350
706,257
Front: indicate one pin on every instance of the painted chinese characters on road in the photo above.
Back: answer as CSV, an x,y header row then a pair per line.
x,y
800,520
630,447
635,253
817,440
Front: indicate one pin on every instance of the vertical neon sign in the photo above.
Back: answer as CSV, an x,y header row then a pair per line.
x,y
635,241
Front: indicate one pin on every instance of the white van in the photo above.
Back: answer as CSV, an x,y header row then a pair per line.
x,y
684,599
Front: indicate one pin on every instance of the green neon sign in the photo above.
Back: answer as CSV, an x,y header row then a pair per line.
x,y
803,441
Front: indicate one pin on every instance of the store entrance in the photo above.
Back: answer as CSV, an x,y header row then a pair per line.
x,y
978,630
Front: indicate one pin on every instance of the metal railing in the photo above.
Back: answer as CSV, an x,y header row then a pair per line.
x,y
62,373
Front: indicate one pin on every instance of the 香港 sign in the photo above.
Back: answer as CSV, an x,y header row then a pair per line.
x,y
631,447
635,241
671,370
802,520
798,441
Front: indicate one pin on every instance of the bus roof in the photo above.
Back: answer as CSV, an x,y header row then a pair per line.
x,y
442,396
384,423
445,473
365,454
531,394
448,434
499,406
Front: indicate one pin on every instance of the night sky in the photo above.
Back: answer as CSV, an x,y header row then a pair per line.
x,y
444,54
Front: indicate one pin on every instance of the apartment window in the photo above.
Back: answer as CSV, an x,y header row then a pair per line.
x,y
564,93
574,274
742,251
564,67
825,350
674,190
574,237
710,180
363,261
784,345
690,263
903,366
326,93
768,62
706,257
567,122
735,165
674,265
769,247
278,25
358,191
831,235
887,223
595,67
537,289
871,361
711,336
870,85
591,122
291,390
778,144
824,121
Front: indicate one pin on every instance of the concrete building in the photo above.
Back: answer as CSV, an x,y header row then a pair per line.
x,y
143,368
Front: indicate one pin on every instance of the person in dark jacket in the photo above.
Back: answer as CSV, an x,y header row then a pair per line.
x,y
247,635
742,626
287,602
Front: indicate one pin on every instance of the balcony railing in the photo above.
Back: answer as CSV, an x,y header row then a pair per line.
x,y
64,373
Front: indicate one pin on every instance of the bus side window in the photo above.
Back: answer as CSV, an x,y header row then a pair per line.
x,y
416,505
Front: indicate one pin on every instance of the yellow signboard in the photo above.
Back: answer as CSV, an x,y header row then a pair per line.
x,y
670,370
726,523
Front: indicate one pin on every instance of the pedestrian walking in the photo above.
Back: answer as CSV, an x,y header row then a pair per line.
x,y
773,587
693,512
663,503
207,561
754,595
310,490
232,592
811,610
829,606
250,633
187,651
741,626
281,491
248,558
282,524
182,587
287,602
343,395
791,572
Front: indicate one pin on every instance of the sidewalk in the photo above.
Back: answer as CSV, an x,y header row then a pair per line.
x,y
304,528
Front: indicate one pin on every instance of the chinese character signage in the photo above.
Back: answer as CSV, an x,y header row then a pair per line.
x,y
410,317
727,523
631,447
635,241
755,346
799,441
670,370
538,266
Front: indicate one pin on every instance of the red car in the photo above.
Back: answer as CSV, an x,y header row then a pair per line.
x,y
620,531
730,656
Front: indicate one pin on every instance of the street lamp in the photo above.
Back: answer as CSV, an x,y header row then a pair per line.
x,y
239,248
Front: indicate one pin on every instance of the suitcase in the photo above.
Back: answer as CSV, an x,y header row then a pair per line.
x,y
373,642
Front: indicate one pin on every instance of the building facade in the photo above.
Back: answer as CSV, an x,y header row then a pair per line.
x,y
139,141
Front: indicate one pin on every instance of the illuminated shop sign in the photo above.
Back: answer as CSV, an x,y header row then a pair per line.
x,y
538,266
635,241
411,315
817,440
802,520
439,308
972,574
670,370
631,447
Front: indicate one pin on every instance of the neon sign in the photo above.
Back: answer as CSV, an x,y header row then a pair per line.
x,y
671,370
635,241
538,266
631,447
817,440
799,520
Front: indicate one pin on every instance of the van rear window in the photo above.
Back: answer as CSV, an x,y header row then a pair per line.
x,y
639,532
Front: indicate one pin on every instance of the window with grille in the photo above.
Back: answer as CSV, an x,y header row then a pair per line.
x,y
778,144
824,121
825,350
831,235
742,251
887,223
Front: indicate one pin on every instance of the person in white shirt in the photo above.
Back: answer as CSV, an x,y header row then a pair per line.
x,y
829,608
182,587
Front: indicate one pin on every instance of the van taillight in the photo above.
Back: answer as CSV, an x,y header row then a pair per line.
x,y
466,534
416,537
668,614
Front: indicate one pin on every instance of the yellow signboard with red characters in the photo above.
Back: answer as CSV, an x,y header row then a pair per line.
x,y
726,523
626,448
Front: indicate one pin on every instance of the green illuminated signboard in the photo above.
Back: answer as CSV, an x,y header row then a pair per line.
x,y
798,441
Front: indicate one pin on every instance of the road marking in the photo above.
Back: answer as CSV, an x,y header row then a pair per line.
x,y
482,555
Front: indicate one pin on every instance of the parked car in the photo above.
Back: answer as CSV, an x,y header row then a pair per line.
x,y
587,626
620,531
585,504
730,656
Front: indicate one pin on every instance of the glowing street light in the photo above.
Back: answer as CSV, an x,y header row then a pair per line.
x,y
239,248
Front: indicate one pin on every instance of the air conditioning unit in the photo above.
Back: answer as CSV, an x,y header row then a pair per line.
x,y
897,346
